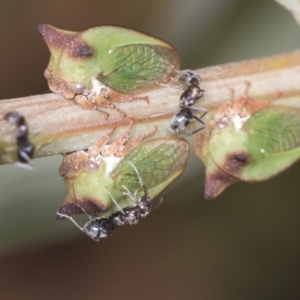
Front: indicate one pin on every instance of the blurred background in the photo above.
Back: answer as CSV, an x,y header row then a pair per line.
x,y
243,245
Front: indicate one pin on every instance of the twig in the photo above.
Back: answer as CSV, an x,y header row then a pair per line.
x,y
64,126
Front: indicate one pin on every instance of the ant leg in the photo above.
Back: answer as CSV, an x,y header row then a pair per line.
x,y
170,86
129,194
139,176
165,112
197,130
157,203
136,171
202,109
70,218
199,119
115,202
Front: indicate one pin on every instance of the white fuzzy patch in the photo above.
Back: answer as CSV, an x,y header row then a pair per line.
x,y
97,86
239,122
111,163
111,160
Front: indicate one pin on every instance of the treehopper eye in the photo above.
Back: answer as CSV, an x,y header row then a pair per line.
x,y
106,63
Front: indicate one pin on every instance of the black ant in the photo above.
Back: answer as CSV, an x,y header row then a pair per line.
x,y
182,119
25,147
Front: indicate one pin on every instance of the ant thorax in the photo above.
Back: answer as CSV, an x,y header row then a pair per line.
x,y
140,208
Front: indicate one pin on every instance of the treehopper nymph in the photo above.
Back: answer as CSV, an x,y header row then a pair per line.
x,y
105,179
101,227
107,63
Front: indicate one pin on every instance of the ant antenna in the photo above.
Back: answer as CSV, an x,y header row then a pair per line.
x,y
70,218
136,172
142,184
115,201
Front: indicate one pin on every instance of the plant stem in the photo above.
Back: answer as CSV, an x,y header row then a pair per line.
x,y
64,126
